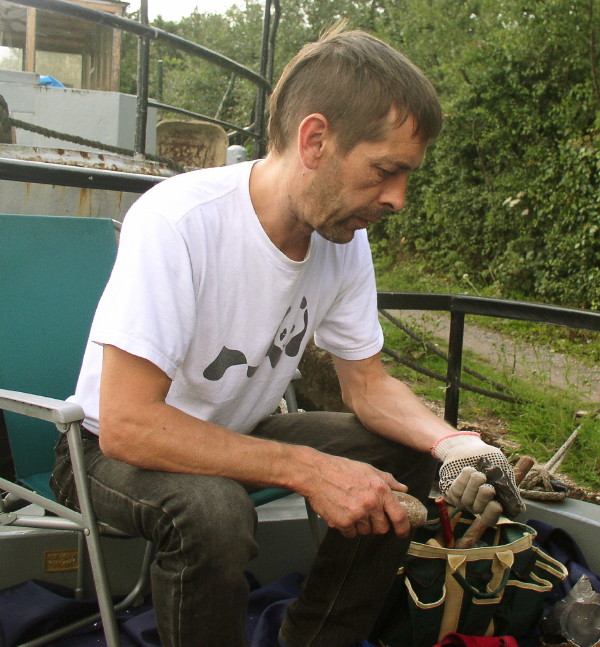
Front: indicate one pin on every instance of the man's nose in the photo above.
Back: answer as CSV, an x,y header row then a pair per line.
x,y
393,194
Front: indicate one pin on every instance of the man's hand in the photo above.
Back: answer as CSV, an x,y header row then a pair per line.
x,y
460,482
356,498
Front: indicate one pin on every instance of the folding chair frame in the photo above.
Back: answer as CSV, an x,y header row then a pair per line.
x,y
67,417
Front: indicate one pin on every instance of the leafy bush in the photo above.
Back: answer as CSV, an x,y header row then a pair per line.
x,y
511,194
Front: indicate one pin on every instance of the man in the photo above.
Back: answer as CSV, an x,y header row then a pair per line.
x,y
221,278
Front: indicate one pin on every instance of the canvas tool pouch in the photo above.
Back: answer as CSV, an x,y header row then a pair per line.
x,y
496,589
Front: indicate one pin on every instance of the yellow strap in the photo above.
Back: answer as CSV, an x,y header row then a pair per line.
x,y
424,605
428,551
502,560
454,594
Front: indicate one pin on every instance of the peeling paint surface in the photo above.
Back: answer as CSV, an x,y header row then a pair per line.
x,y
45,199
84,159
48,200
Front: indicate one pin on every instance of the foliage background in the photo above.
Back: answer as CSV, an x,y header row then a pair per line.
x,y
510,192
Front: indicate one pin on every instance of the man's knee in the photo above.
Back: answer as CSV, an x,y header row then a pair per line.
x,y
209,516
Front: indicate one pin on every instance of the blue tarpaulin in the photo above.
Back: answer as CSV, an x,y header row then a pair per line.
x,y
50,81
33,608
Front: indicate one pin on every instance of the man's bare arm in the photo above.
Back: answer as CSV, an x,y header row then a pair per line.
x,y
137,426
387,406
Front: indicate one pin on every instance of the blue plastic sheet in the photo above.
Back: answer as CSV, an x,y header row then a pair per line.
x,y
50,81
32,608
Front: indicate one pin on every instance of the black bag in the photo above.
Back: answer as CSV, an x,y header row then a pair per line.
x,y
497,589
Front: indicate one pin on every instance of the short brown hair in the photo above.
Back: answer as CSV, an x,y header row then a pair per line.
x,y
354,80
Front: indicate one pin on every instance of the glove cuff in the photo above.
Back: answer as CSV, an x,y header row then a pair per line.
x,y
455,440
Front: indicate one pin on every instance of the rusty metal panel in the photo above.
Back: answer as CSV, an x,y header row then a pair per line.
x,y
48,199
192,144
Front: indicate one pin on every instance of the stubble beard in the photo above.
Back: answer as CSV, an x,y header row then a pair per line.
x,y
324,208
336,232
322,203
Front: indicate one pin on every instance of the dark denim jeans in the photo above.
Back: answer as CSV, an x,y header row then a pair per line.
x,y
203,528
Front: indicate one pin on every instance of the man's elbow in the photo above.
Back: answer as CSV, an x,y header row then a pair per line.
x,y
116,437
348,400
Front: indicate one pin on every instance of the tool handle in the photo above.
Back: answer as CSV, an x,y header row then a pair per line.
x,y
476,530
478,527
447,530
415,510
522,467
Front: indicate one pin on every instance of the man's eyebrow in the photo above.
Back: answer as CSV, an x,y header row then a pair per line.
x,y
407,167
399,166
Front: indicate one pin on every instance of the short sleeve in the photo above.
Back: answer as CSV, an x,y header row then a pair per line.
x,y
148,306
351,328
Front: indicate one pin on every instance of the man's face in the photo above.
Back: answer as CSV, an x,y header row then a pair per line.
x,y
351,191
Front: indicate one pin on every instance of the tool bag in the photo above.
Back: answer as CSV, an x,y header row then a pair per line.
x,y
496,589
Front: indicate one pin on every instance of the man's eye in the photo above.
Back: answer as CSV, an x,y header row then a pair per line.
x,y
384,173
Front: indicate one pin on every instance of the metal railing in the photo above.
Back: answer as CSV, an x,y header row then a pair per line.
x,y
459,306
147,33
74,176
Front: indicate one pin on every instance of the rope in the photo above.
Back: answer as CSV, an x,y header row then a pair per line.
x,y
82,141
442,378
539,495
537,485
5,125
434,349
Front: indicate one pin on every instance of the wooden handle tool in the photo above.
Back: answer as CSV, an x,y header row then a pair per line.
x,y
479,526
415,510
447,530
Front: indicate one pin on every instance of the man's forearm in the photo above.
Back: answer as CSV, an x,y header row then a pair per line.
x,y
395,412
138,426
351,496
164,438
386,406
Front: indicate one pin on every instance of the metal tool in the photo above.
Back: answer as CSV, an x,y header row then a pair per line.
x,y
500,483
506,493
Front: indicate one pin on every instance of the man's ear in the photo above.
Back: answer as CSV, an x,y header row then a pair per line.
x,y
314,135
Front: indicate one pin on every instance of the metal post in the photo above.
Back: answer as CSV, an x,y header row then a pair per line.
x,y
142,84
159,66
261,98
455,347
92,538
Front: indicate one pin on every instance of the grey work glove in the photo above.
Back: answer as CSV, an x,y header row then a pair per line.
x,y
460,482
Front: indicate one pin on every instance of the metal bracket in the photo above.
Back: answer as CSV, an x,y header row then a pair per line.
x,y
7,518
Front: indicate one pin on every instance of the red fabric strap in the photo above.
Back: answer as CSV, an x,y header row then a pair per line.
x,y
460,640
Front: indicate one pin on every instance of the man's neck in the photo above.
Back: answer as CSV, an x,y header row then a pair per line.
x,y
273,183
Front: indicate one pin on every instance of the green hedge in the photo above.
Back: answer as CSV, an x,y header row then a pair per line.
x,y
511,190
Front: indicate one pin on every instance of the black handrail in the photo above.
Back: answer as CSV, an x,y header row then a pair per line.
x,y
504,308
75,176
459,305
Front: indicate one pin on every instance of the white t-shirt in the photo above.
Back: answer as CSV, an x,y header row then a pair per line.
x,y
199,289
